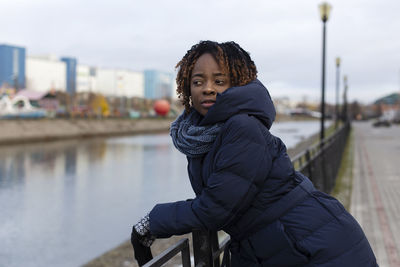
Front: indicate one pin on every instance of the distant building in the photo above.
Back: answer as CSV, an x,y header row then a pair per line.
x,y
129,83
71,64
283,105
46,73
86,79
120,83
50,73
12,66
158,84
389,100
389,106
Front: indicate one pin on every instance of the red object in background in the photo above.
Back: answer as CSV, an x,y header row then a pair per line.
x,y
161,107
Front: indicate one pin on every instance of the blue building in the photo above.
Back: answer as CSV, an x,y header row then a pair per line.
x,y
12,66
158,84
71,65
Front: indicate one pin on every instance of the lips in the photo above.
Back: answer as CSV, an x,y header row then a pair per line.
x,y
207,103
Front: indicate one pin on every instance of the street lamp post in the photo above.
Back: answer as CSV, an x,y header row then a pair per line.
x,y
324,10
344,112
337,92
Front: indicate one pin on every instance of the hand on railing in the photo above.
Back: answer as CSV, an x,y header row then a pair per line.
x,y
141,240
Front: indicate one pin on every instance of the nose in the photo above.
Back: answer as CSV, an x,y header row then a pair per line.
x,y
209,89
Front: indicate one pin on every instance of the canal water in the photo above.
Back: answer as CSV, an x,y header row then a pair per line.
x,y
64,203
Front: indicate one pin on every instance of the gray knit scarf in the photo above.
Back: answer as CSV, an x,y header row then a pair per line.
x,y
190,139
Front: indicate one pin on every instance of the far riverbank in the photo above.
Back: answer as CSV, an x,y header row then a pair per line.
x,y
23,131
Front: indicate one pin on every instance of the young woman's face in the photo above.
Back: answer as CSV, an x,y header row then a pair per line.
x,y
207,80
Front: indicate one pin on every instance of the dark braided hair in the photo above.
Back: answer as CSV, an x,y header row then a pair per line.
x,y
230,57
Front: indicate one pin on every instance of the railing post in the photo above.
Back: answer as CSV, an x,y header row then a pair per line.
x,y
309,166
202,248
214,247
186,257
324,170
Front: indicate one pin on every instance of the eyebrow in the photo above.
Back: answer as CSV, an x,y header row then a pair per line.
x,y
214,74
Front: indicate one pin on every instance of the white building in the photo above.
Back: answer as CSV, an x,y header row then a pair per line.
x,y
85,79
45,73
129,83
105,82
114,82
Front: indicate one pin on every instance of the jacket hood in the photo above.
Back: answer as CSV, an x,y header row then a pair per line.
x,y
252,99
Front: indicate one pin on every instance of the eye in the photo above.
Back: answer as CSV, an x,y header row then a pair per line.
x,y
197,82
220,82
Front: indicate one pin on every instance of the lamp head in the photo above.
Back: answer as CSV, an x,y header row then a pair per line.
x,y
337,61
324,10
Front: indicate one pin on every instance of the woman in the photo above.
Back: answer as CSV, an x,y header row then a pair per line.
x,y
242,176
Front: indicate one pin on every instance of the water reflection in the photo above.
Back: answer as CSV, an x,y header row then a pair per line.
x,y
64,203
70,160
11,169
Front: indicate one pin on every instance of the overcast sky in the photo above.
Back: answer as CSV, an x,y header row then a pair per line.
x,y
283,37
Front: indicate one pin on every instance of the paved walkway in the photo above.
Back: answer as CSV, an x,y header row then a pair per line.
x,y
375,201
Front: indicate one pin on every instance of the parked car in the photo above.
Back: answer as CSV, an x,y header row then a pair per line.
x,y
381,122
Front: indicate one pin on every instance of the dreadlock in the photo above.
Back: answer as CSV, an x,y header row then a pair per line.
x,y
229,56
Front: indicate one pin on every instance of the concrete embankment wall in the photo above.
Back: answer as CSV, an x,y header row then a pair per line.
x,y
20,131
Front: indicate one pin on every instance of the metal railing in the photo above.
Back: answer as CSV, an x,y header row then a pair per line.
x,y
207,249
320,163
181,246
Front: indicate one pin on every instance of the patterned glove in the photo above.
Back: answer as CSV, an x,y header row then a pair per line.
x,y
143,229
141,240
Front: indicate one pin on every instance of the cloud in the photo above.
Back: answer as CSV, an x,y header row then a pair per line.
x,y
283,37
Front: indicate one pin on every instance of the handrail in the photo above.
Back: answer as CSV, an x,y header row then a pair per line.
x,y
166,255
221,248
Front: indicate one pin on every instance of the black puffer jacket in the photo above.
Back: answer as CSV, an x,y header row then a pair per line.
x,y
246,186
